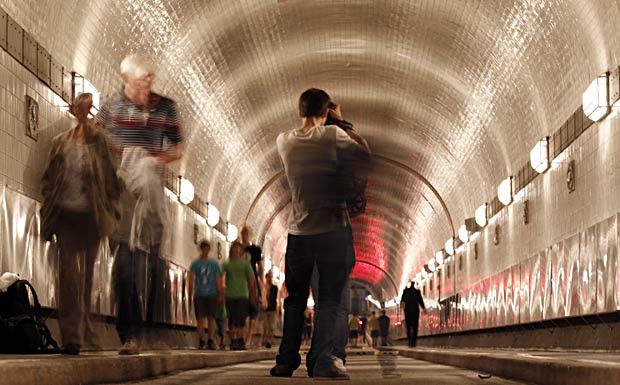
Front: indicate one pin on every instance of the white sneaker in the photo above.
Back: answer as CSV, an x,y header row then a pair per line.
x,y
130,347
335,371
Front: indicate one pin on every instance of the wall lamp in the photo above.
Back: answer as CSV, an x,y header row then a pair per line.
x,y
213,215
186,191
481,215
439,257
504,191
539,156
463,233
231,232
432,265
449,246
596,98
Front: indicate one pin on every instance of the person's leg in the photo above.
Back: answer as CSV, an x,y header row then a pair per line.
x,y
408,321
69,277
125,274
332,262
92,249
298,269
342,324
414,331
211,329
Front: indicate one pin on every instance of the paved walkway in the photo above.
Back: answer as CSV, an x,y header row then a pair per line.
x,y
363,369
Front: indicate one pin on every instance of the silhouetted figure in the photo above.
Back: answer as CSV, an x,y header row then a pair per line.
x,y
384,328
412,300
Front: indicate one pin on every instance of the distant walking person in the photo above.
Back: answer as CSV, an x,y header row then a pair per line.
x,y
354,329
254,255
80,206
205,286
139,121
384,328
373,325
412,300
319,233
240,293
269,308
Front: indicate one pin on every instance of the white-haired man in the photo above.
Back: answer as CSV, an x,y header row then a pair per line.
x,y
138,117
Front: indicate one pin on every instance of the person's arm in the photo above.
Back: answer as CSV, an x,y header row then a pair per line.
x,y
220,287
190,284
336,114
421,300
171,154
252,285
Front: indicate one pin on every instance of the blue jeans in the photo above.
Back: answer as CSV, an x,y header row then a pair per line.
x,y
342,326
334,257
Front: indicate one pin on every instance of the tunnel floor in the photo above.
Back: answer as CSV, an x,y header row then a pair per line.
x,y
363,369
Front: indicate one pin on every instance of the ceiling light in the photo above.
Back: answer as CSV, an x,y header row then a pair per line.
x,y
539,156
186,191
596,98
481,215
463,234
231,232
213,215
418,277
425,274
504,191
449,246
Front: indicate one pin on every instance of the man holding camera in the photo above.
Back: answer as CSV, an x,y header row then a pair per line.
x,y
319,233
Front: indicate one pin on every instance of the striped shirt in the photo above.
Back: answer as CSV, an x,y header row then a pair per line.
x,y
130,124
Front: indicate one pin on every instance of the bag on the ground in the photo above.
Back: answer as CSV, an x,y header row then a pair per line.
x,y
22,330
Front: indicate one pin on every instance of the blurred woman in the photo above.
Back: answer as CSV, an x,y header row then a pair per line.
x,y
80,207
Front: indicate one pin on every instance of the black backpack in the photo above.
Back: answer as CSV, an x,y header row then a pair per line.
x,y
22,329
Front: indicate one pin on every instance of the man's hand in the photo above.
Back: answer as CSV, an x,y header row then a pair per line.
x,y
335,112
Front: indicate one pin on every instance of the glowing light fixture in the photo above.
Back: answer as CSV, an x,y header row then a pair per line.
x,y
432,265
439,257
418,277
504,191
463,234
231,232
449,246
481,215
213,215
425,274
539,156
186,191
596,98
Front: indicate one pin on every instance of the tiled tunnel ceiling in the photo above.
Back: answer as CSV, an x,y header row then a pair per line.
x,y
457,90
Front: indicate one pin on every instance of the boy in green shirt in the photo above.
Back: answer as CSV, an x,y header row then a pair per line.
x,y
240,292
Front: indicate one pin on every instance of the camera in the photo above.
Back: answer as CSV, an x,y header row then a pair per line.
x,y
337,122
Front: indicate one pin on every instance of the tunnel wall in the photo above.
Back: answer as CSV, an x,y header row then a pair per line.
x,y
561,264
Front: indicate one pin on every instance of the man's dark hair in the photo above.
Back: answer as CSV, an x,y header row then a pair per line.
x,y
313,102
382,312
204,244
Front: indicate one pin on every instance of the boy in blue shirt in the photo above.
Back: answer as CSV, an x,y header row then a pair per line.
x,y
205,278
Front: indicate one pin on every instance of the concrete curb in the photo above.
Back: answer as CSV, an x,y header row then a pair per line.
x,y
98,369
539,370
